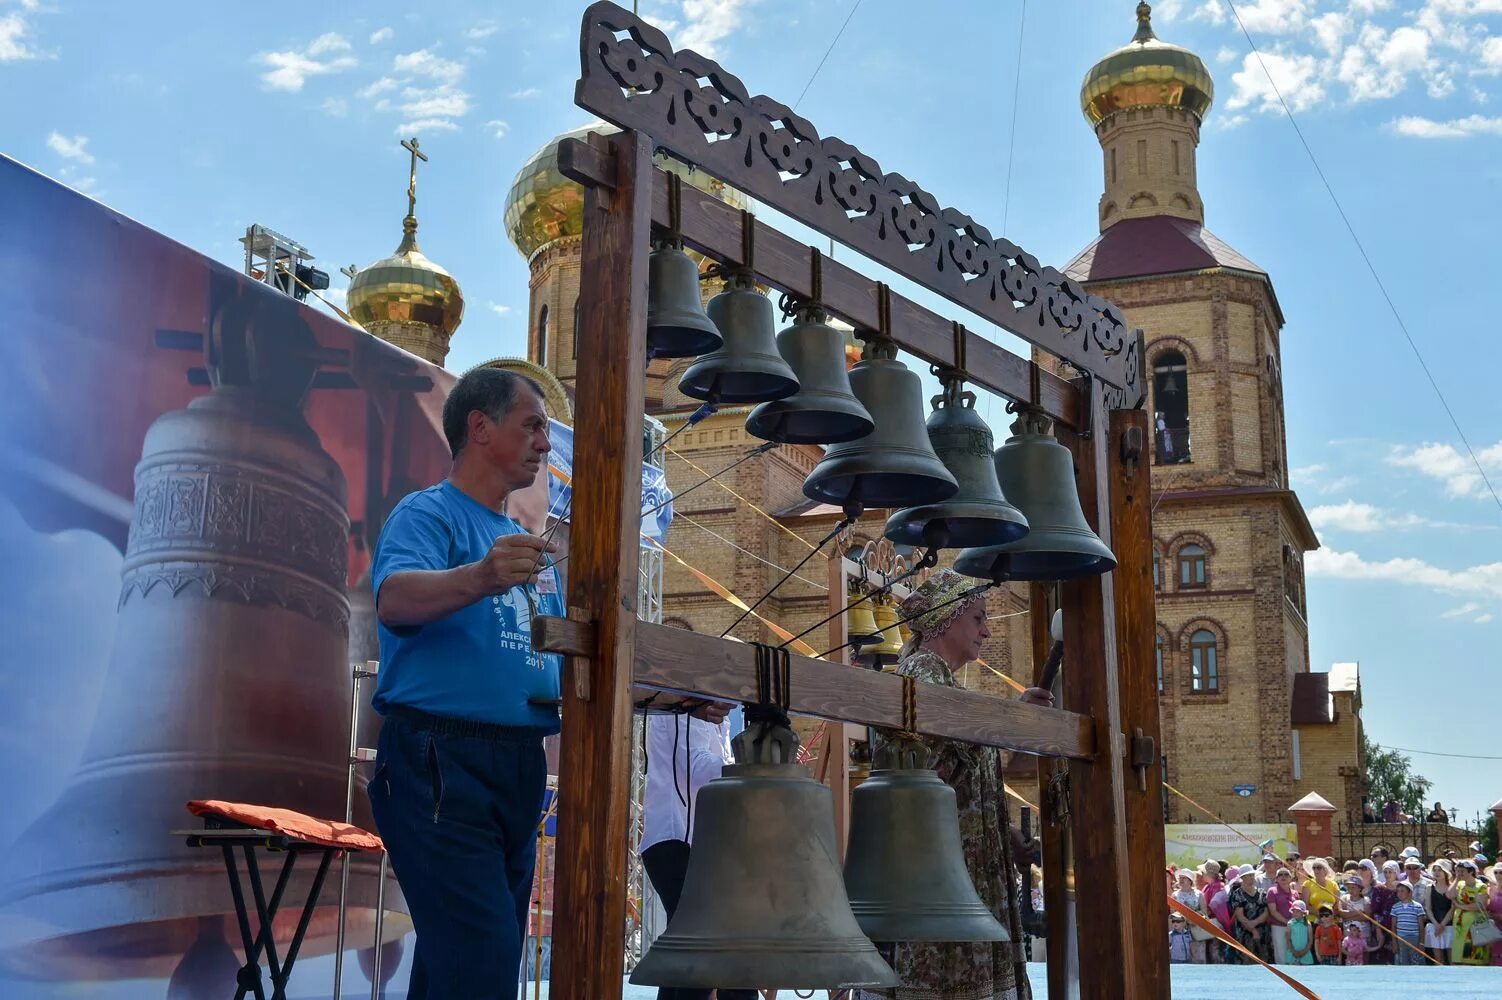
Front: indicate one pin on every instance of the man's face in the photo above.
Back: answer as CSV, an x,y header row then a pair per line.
x,y
516,446
1269,867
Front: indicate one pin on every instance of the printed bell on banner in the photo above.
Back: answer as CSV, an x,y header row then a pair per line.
x,y
1036,473
746,368
978,514
763,903
824,410
894,465
677,325
905,867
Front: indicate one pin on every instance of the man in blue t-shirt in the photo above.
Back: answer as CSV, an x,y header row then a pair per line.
x,y
460,772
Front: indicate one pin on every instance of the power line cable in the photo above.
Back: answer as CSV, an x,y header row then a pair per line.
x,y
1436,753
1006,203
827,53
1367,259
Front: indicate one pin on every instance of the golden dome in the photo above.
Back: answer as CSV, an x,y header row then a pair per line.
x,y
1147,72
554,395
406,288
544,206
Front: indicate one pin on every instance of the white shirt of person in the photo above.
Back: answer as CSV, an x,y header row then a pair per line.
x,y
683,755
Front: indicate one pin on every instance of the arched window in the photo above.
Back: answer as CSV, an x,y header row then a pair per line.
x,y
576,328
1157,569
1192,566
1160,664
1171,400
542,336
1204,661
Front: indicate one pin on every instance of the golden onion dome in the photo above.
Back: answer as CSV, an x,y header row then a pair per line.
x,y
406,287
1147,72
543,205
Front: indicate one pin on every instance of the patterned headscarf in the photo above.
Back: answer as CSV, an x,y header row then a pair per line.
x,y
933,607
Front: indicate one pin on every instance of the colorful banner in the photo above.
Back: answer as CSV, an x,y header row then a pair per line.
x,y
1192,844
656,499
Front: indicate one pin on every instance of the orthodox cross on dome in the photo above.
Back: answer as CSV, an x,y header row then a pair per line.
x,y
410,145
1144,24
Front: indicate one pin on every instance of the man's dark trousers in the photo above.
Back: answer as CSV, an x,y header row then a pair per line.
x,y
667,863
457,804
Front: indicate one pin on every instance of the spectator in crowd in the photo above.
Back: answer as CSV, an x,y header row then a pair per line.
x,y
1300,936
1383,896
1179,942
1320,890
1355,907
1267,877
1355,945
1438,814
1439,910
1249,911
1295,863
1469,895
1327,937
1391,812
1494,909
1280,902
1220,907
1408,925
1190,898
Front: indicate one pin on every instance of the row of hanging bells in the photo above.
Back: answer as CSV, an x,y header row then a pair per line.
x,y
765,904
1016,514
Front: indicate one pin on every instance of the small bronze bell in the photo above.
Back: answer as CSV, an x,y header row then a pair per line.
x,y
677,326
894,465
824,410
890,647
763,904
860,625
978,514
905,866
1037,473
746,368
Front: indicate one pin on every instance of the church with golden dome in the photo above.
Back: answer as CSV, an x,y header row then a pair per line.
x,y
1240,707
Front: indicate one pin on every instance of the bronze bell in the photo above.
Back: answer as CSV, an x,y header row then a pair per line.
x,y
894,465
1037,473
978,514
905,866
746,368
860,625
228,678
677,326
763,904
890,647
824,410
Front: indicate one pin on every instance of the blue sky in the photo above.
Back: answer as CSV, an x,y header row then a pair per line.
x,y
200,119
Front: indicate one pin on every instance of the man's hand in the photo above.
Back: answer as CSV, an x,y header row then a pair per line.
x,y
1037,696
712,712
511,561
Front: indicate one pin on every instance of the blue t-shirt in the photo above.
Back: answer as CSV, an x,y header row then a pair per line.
x,y
477,663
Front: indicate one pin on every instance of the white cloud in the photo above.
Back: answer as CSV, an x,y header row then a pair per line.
x,y
1261,17
426,125
381,35
290,70
1448,465
13,38
498,309
1225,54
1419,127
1297,78
335,107
1482,619
381,86
424,62
482,30
1491,55
1361,518
1483,581
498,128
709,22
70,149
1468,608
1330,28
523,94
442,101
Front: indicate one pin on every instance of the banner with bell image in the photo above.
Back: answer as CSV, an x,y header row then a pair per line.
x,y
656,498
1190,845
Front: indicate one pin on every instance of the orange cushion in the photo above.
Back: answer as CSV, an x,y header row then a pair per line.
x,y
329,833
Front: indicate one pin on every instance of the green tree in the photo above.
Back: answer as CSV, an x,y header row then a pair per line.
x,y
1489,836
1390,774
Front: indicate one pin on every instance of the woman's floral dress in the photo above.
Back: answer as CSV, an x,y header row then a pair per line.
x,y
973,970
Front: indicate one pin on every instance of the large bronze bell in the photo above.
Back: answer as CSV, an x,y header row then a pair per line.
x,y
746,368
890,646
677,326
824,410
894,465
1037,473
763,904
979,513
228,679
905,866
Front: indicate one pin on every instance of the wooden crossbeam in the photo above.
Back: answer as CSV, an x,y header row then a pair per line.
x,y
672,659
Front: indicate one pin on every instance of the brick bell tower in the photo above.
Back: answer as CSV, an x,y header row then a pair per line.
x,y
1229,534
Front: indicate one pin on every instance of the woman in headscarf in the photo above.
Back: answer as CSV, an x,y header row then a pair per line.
x,y
947,617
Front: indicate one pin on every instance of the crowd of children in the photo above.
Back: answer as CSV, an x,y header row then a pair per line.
x,y
1376,911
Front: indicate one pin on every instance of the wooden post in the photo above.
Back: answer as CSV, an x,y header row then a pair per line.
x,y
1137,681
836,747
1106,926
1057,894
589,906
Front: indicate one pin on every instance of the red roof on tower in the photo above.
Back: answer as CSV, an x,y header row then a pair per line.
x,y
1159,244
